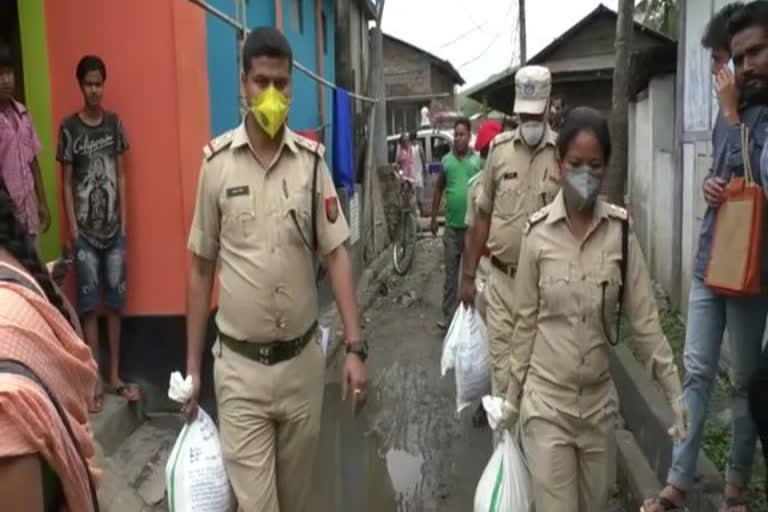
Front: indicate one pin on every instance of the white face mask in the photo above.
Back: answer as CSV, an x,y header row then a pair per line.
x,y
532,132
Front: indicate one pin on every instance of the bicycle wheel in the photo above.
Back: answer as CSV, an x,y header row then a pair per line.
x,y
404,246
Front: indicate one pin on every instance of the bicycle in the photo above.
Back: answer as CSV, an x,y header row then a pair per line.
x,y
406,230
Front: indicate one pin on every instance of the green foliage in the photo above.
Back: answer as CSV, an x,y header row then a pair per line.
x,y
468,107
716,440
661,15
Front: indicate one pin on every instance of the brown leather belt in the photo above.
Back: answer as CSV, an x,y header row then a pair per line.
x,y
507,269
269,353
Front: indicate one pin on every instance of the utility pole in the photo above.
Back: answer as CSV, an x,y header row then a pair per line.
x,y
375,236
617,175
521,20
378,90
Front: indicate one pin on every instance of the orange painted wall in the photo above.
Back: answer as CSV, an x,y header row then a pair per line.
x,y
157,82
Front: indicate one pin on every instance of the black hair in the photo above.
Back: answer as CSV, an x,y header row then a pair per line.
x,y
413,135
584,119
754,14
715,35
14,238
463,121
266,42
6,57
90,63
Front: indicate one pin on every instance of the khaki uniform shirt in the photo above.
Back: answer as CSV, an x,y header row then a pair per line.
x,y
560,348
475,187
518,181
256,220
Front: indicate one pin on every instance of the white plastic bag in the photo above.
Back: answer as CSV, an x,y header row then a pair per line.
x,y
505,485
195,475
465,349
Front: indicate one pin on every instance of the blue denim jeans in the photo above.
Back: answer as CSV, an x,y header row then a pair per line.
x,y
100,271
709,314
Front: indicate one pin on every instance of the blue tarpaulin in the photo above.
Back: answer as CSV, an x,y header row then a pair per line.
x,y
343,152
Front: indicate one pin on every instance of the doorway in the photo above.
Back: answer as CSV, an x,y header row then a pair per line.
x,y
10,34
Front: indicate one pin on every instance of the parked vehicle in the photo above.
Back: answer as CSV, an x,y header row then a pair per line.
x,y
435,144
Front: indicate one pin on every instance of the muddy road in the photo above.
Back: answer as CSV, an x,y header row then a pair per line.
x,y
408,452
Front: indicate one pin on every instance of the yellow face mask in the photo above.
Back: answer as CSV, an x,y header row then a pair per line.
x,y
270,109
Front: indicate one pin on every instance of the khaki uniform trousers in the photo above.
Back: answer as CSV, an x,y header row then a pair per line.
x,y
499,301
570,459
481,282
269,417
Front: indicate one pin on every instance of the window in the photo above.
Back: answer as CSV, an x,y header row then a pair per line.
x,y
298,16
324,28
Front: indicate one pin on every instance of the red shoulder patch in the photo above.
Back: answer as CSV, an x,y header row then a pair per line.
x,y
332,209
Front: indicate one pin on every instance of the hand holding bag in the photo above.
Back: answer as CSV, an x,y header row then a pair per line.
x,y
734,260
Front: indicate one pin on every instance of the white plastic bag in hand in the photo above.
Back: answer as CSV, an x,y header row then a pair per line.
x,y
455,331
195,475
505,485
473,361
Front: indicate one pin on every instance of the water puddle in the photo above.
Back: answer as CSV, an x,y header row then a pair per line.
x,y
356,469
405,472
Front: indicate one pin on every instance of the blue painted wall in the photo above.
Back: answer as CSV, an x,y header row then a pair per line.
x,y
224,70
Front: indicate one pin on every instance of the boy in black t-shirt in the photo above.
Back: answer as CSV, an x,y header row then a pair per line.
x,y
91,147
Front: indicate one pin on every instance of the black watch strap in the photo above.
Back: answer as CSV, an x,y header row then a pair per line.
x,y
359,348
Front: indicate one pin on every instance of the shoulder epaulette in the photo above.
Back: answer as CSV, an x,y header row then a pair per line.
x,y
502,138
309,144
535,218
617,211
217,145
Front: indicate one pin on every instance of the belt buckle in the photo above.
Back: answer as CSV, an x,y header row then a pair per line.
x,y
265,354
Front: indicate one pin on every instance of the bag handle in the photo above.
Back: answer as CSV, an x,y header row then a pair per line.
x,y
749,177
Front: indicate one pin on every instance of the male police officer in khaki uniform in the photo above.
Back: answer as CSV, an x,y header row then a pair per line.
x,y
520,177
254,214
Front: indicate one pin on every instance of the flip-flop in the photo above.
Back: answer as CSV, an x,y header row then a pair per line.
x,y
130,392
730,502
98,404
666,505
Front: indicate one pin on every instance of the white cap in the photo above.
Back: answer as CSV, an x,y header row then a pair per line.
x,y
533,85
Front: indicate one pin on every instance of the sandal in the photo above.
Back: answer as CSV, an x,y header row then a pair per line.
x,y
97,403
730,502
130,392
666,505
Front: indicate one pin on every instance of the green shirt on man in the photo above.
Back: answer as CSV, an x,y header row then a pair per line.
x,y
458,172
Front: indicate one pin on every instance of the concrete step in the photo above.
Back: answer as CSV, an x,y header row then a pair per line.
x,y
117,420
135,474
141,459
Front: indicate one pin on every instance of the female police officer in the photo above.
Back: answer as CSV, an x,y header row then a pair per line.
x,y
569,282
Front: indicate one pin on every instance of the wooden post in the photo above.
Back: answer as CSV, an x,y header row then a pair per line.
x,y
320,71
521,17
617,174
279,15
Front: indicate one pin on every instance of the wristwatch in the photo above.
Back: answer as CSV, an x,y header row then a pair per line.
x,y
359,348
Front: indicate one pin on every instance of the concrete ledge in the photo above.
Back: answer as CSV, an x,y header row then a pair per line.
x,y
116,422
636,479
648,415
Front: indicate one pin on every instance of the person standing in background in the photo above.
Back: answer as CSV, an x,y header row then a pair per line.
x,y
19,148
418,170
459,166
91,147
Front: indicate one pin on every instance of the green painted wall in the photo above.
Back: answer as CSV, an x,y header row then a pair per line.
x,y
37,89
